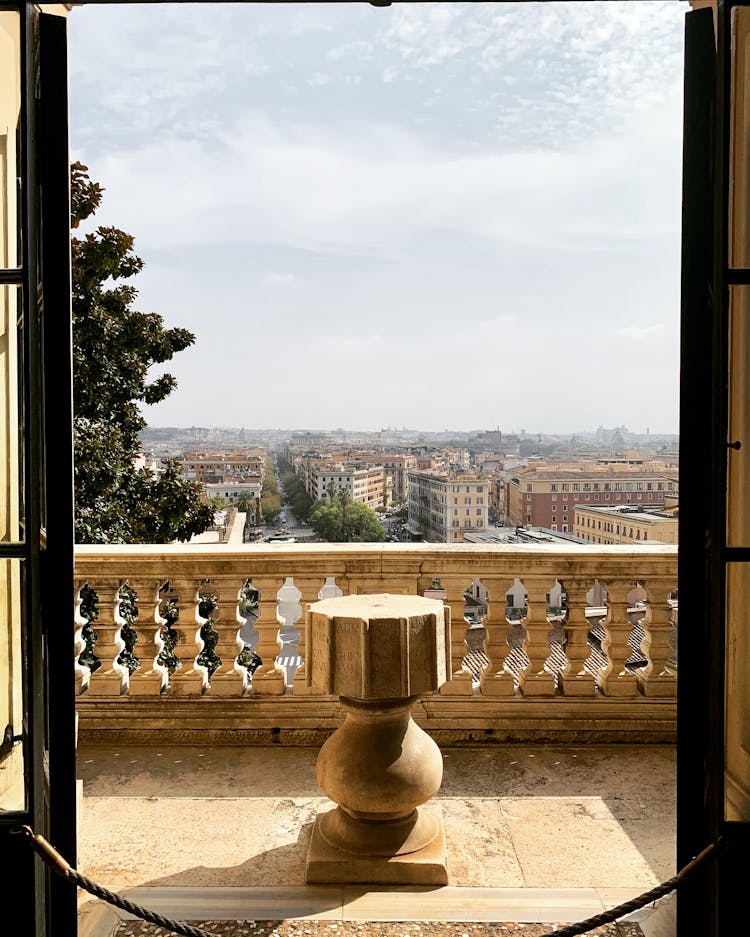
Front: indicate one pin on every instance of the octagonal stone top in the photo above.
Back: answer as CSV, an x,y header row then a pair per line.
x,y
372,647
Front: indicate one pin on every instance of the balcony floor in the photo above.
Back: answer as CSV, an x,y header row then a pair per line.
x,y
535,832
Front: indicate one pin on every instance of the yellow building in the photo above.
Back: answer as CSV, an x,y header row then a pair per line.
x,y
609,525
444,507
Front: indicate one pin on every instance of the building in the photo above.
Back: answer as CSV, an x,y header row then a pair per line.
x,y
213,465
233,488
397,466
366,485
444,507
624,524
545,494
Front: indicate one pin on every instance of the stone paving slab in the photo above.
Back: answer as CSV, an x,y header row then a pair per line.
x,y
516,816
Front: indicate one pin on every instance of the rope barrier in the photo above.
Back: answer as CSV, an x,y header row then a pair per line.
x,y
62,868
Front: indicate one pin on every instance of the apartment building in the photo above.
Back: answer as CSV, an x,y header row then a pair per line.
x,y
232,488
443,507
368,485
622,524
545,494
397,466
210,466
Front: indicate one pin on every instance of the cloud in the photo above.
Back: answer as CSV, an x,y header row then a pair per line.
x,y
443,208
638,333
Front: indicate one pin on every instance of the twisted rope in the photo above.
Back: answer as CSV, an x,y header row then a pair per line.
x,y
58,865
634,904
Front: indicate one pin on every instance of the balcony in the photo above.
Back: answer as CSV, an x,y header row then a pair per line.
x,y
555,804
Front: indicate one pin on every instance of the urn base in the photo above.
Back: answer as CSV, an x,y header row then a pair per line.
x,y
409,851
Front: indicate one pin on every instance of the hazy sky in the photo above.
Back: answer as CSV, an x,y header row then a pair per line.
x,y
433,215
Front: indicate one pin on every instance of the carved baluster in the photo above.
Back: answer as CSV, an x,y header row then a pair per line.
x,y
189,679
82,624
147,680
268,679
310,589
656,679
535,680
227,680
614,679
575,680
460,683
495,680
109,679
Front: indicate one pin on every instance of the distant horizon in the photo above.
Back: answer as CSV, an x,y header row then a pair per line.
x,y
404,429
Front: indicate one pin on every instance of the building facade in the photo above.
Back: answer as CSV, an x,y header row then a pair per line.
x,y
546,494
367,485
443,507
623,524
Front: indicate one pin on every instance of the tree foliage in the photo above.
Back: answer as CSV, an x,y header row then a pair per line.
x,y
338,520
114,348
270,499
296,495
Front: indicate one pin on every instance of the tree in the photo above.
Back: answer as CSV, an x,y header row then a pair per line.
x,y
338,520
114,346
270,499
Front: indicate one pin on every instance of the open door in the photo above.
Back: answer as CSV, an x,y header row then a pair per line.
x,y
37,781
714,562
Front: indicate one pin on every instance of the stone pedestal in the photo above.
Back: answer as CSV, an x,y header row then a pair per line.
x,y
378,653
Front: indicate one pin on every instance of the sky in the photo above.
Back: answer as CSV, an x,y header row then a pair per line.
x,y
433,215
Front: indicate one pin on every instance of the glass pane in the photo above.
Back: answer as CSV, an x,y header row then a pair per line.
x,y
738,469
737,732
739,243
11,687
10,296
11,415
10,111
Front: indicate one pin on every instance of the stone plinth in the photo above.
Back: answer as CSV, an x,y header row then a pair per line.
x,y
378,653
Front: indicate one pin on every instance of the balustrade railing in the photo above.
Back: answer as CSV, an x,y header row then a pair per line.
x,y
570,641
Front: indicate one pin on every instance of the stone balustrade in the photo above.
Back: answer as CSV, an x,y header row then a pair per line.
x,y
577,643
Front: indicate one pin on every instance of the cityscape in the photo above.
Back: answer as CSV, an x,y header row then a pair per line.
x,y
606,486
